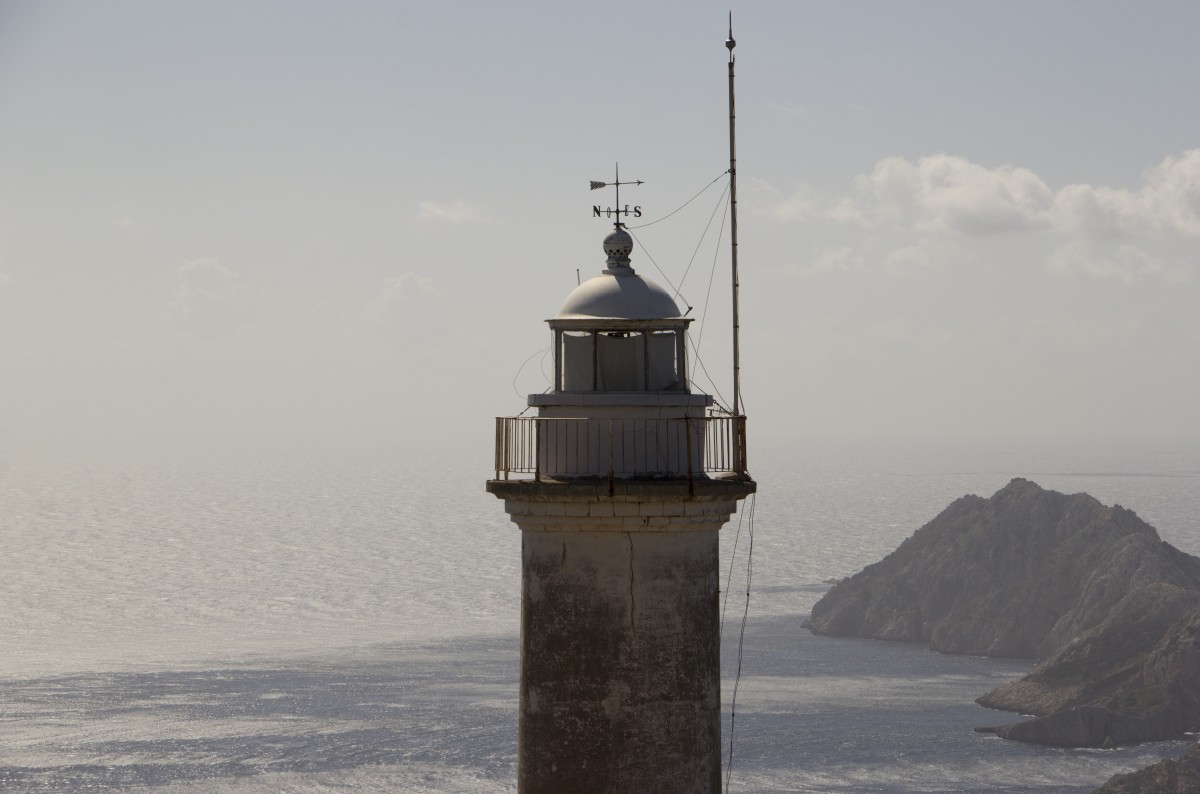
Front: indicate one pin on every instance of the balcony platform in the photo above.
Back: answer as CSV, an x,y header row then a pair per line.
x,y
633,399
638,489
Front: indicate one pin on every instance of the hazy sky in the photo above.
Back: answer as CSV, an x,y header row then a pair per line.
x,y
348,221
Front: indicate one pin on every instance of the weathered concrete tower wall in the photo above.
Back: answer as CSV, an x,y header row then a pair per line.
x,y
621,680
643,712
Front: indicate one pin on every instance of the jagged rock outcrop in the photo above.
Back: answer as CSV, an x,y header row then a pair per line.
x,y
1112,611
1133,678
1169,776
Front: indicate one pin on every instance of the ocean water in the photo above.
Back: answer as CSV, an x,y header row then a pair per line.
x,y
313,620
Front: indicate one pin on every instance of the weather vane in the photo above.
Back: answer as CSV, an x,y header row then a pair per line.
x,y
618,210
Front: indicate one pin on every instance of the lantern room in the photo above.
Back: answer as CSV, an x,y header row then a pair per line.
x,y
619,332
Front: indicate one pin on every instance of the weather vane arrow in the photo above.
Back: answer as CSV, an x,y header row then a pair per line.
x,y
618,210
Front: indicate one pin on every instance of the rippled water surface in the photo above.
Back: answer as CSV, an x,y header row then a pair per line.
x,y
322,620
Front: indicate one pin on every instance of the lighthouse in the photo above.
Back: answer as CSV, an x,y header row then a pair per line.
x,y
620,484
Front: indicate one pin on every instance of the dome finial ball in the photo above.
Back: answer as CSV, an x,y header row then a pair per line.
x,y
618,243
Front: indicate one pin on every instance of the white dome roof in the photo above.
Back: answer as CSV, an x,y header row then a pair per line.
x,y
619,293
623,297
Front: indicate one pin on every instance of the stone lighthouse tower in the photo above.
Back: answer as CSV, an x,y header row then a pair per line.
x,y
620,485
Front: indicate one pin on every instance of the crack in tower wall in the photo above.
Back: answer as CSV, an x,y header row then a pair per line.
x,y
632,596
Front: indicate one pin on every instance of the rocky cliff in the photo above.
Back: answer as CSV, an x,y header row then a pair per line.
x,y
1169,776
1112,612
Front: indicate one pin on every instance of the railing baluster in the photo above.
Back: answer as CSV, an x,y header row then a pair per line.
x,y
727,453
743,465
645,448
687,430
637,447
719,442
712,461
725,441
712,455
720,445
611,473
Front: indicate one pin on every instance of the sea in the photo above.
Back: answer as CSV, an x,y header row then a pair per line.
x,y
333,619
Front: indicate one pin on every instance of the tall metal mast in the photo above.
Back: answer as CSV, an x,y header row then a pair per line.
x,y
737,368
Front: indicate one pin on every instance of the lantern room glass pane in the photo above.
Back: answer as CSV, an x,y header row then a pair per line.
x,y
619,361
663,369
577,361
643,360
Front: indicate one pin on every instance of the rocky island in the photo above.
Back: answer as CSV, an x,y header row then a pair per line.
x,y
1109,610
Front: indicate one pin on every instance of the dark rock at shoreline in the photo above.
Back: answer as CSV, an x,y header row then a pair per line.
x,y
1134,678
1169,776
1112,612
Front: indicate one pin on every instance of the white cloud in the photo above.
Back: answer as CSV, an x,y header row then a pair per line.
x,y
923,254
405,311
456,212
204,269
210,301
1173,190
765,198
123,220
399,291
943,192
1124,263
841,258
5,279
795,207
1168,203
942,200
787,108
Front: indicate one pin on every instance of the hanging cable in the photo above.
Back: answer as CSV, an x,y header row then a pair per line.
x,y
703,234
656,267
712,273
687,270
678,290
696,357
704,312
523,363
741,643
689,201
729,575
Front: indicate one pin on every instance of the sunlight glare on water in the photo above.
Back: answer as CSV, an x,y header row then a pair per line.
x,y
348,619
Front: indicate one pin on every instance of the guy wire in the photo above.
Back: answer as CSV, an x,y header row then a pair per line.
x,y
712,273
523,363
681,206
703,234
729,575
651,258
717,391
741,643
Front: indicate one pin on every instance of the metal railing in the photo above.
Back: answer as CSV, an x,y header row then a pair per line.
x,y
620,447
